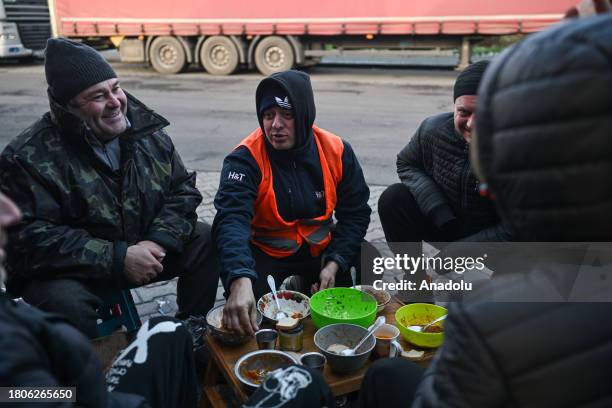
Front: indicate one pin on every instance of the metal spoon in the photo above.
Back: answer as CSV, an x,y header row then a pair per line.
x,y
421,329
279,314
351,351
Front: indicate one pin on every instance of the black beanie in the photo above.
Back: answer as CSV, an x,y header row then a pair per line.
x,y
467,82
274,96
72,67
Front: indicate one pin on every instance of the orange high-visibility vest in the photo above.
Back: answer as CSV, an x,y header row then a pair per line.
x,y
269,231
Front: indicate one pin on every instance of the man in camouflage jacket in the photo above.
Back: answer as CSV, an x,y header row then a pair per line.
x,y
106,200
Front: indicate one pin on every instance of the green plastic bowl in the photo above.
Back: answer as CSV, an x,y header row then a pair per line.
x,y
342,305
419,314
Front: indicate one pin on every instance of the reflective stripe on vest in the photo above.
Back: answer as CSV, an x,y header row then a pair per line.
x,y
320,233
282,244
269,231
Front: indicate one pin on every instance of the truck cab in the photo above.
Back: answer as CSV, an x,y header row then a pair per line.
x,y
10,42
25,27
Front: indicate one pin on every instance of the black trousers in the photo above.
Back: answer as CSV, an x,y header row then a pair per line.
x,y
403,221
197,268
388,383
158,365
301,264
198,271
406,227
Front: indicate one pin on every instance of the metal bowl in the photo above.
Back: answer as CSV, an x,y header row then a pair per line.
x,y
213,322
259,364
382,296
295,304
348,335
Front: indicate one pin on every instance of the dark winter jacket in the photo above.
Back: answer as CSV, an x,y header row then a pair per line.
x,y
498,354
298,182
529,177
544,147
42,350
79,216
435,166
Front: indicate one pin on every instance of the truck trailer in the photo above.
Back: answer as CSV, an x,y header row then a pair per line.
x,y
274,36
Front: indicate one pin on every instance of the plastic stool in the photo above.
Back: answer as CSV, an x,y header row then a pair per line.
x,y
118,310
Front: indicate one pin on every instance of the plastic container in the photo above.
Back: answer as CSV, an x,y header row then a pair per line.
x,y
342,305
419,314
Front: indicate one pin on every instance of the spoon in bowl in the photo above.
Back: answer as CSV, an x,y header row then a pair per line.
x,y
351,351
421,329
279,314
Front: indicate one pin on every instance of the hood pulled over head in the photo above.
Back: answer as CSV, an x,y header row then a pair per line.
x,y
544,138
294,91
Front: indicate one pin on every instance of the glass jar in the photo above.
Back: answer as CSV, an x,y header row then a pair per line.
x,y
291,339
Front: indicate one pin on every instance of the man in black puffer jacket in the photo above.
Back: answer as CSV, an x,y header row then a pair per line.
x,y
278,191
438,197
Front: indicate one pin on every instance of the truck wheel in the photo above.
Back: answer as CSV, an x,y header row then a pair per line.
x,y
167,55
219,55
274,54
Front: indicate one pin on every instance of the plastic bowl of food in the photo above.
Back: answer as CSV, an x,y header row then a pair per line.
x,y
253,368
382,296
330,337
342,305
294,304
214,319
419,314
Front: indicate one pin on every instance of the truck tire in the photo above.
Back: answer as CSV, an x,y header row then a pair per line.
x,y
274,54
167,55
219,55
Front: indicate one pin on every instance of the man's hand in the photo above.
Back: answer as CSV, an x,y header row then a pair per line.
x,y
327,277
140,265
239,312
156,250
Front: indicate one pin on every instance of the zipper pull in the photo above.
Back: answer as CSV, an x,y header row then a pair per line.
x,y
294,165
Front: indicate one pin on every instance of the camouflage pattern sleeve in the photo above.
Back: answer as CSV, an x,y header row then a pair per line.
x,y
40,246
175,222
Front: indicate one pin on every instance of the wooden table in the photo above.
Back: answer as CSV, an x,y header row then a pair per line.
x,y
223,359
108,347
